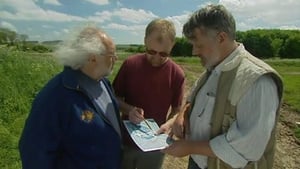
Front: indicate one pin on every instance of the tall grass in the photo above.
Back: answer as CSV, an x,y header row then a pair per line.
x,y
22,76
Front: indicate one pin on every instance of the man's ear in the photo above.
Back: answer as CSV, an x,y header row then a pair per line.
x,y
92,58
222,36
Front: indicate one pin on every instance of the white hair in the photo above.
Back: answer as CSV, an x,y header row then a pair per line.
x,y
75,51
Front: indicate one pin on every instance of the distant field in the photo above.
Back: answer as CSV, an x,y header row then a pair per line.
x,y
23,75
290,72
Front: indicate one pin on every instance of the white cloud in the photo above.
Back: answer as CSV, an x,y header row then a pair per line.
x,y
289,27
125,27
28,10
100,17
206,3
134,16
40,15
52,2
98,2
136,30
258,13
66,30
8,25
178,22
124,14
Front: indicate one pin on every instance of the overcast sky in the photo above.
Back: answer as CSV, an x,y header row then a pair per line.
x,y
125,20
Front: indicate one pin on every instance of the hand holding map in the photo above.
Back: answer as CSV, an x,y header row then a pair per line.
x,y
145,137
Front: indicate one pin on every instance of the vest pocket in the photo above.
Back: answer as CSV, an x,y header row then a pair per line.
x,y
208,109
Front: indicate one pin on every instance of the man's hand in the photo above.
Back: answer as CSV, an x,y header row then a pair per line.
x,y
183,148
180,126
164,128
178,148
136,115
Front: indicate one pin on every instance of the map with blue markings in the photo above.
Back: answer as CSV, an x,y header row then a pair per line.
x,y
144,135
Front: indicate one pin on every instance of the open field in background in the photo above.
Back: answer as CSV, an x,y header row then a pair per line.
x,y
23,75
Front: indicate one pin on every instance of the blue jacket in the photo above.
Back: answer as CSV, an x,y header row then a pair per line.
x,y
67,130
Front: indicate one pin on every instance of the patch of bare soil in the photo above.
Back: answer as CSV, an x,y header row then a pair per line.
x,y
287,154
288,146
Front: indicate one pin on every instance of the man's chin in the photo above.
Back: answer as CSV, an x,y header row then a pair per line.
x,y
108,73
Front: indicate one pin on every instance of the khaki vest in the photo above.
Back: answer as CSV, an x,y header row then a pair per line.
x,y
236,78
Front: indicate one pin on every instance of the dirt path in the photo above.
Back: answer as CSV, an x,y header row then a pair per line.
x,y
288,146
287,150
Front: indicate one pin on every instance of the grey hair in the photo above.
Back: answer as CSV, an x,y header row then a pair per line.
x,y
211,18
75,51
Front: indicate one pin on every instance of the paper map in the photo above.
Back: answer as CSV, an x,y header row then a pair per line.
x,y
145,137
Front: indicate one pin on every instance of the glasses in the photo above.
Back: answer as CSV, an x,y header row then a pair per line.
x,y
161,54
110,55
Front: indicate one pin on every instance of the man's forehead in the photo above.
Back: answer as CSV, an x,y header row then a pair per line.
x,y
159,36
198,34
198,31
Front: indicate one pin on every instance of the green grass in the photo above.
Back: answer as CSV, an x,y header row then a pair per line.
x,y
24,74
192,69
290,72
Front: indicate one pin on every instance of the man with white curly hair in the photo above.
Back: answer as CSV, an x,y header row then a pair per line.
x,y
74,122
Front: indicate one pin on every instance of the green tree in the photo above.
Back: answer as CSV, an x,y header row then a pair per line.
x,y
258,43
291,48
7,36
276,46
182,47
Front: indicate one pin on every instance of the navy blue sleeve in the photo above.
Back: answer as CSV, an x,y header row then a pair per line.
x,y
40,141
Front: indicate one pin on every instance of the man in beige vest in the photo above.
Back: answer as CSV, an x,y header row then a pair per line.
x,y
230,116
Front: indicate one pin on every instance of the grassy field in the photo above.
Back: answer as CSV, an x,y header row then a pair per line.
x,y
23,75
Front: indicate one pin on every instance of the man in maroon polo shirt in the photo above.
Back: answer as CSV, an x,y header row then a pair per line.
x,y
147,85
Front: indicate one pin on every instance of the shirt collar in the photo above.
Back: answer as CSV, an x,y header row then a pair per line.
x,y
231,61
90,85
76,80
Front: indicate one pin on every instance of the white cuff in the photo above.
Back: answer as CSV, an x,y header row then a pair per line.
x,y
224,151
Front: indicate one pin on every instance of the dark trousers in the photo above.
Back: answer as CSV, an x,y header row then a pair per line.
x,y
136,159
192,164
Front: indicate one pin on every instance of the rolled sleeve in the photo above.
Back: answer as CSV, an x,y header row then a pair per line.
x,y
226,153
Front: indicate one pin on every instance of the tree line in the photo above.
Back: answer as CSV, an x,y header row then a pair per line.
x,y
10,37
262,43
19,41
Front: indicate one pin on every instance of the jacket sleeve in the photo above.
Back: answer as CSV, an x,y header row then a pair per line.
x,y
40,140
